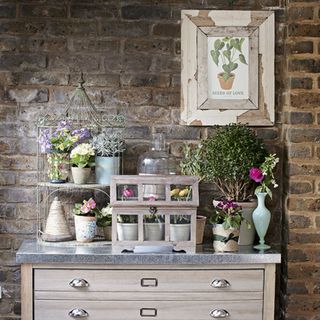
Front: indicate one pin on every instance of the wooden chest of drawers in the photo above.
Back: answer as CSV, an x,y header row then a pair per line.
x,y
162,292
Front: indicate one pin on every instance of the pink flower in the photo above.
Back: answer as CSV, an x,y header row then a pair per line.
x,y
256,174
88,205
127,192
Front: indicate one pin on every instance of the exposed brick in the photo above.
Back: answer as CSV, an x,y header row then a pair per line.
x,y
166,98
8,44
267,134
150,46
304,100
301,238
137,132
318,222
92,45
43,11
68,28
87,11
298,221
299,117
22,27
5,243
296,287
301,47
166,30
7,211
305,65
97,80
125,29
165,64
136,63
22,62
297,255
133,97
303,135
17,162
74,63
7,11
28,95
304,30
308,271
146,80
301,83
7,178
46,78
300,187
299,151
298,204
136,12
41,45
180,132
298,13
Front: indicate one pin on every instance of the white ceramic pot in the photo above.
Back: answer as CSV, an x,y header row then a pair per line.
x,y
85,228
180,232
153,231
225,240
80,175
127,231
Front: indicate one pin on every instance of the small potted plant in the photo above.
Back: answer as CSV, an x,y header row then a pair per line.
x,y
82,159
108,149
228,157
180,227
226,222
57,144
85,220
261,215
191,164
153,226
104,221
127,227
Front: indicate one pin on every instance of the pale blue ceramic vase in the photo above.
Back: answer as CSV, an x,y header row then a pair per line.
x,y
261,219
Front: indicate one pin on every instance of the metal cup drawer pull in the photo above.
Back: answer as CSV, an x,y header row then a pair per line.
x,y
78,283
148,312
219,313
78,313
220,283
149,282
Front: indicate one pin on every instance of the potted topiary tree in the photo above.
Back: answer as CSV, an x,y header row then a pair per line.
x,y
228,157
108,148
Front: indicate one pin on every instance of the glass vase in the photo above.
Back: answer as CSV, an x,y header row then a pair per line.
x,y
261,218
58,167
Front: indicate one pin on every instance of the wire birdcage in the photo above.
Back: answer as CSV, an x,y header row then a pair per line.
x,y
80,112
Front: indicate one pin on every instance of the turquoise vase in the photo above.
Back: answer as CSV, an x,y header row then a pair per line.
x,y
261,219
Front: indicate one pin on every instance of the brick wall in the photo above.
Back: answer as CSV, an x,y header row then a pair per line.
x,y
129,52
301,279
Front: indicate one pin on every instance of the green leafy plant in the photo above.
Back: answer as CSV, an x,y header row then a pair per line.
x,y
127,218
228,213
228,157
191,163
229,51
179,219
153,218
104,217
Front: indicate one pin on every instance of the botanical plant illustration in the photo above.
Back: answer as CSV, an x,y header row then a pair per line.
x,y
229,51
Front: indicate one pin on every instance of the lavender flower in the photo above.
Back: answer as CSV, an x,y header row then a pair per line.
x,y
44,141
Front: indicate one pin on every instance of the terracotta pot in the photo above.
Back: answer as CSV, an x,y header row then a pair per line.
x,y
226,85
80,175
85,228
225,240
201,222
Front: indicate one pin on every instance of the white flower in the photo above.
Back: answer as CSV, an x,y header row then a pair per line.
x,y
106,211
82,149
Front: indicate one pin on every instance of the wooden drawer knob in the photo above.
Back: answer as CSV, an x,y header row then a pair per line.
x,y
78,313
219,313
78,283
220,283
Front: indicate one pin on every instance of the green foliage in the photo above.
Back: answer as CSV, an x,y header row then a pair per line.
x,y
228,157
192,160
229,50
127,218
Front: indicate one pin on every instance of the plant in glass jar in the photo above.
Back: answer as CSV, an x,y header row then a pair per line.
x,y
227,158
226,221
57,143
85,218
108,149
82,159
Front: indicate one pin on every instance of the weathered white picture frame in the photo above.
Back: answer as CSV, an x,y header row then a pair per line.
x,y
209,36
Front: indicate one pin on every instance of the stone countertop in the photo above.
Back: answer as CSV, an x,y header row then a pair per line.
x,y
34,252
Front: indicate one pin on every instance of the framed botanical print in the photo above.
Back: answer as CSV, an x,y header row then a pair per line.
x,y
227,72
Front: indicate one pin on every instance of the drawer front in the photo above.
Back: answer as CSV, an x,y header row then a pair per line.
x,y
148,280
139,310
